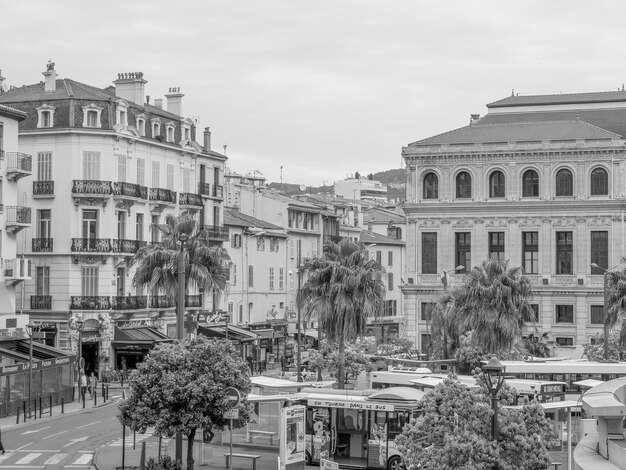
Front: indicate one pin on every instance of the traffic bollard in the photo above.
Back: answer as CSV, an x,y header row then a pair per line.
x,y
134,439
84,395
18,416
62,405
95,397
40,407
104,397
35,403
50,405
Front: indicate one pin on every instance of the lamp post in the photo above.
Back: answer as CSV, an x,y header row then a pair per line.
x,y
605,309
299,326
180,315
79,327
494,376
444,281
30,329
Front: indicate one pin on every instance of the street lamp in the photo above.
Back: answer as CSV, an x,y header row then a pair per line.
x,y
30,329
494,376
605,278
180,315
79,327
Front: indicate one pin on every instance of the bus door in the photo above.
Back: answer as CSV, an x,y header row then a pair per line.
x,y
351,440
320,433
377,439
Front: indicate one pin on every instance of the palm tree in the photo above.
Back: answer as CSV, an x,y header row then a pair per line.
x,y
615,300
158,263
445,331
539,344
493,302
343,289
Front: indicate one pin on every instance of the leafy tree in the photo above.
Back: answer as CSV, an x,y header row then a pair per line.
x,y
158,263
180,388
343,289
596,352
454,432
394,344
468,355
539,344
327,358
616,300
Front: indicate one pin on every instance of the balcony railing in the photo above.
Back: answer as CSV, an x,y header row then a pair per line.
x,y
90,302
91,245
40,302
193,301
160,301
18,165
204,189
43,245
43,188
127,246
190,199
17,268
162,195
129,190
17,215
215,232
91,187
129,302
218,191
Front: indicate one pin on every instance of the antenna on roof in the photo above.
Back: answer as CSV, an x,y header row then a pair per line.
x,y
512,91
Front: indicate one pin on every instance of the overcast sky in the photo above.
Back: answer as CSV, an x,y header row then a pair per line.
x,y
322,88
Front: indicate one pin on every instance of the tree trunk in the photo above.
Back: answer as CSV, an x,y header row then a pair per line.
x,y
341,363
190,438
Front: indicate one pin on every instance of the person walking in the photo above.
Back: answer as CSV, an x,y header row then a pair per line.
x,y
83,384
93,384
1,446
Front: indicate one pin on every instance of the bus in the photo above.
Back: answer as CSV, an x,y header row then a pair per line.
x,y
357,431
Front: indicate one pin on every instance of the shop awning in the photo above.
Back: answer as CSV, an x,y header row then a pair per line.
x,y
234,333
138,335
265,333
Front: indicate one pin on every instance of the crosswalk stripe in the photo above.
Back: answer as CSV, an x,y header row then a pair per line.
x,y
4,457
28,458
55,459
83,459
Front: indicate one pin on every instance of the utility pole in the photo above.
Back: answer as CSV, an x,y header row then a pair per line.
x,y
299,327
180,323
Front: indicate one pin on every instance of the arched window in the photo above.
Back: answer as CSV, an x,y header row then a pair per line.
x,y
599,182
431,186
564,183
530,184
496,184
463,185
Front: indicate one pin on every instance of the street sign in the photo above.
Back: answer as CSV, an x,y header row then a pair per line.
x,y
233,395
231,414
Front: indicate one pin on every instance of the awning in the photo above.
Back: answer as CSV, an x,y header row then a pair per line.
x,y
138,335
265,333
311,332
234,333
589,383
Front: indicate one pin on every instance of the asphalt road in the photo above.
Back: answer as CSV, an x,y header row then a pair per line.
x,y
66,442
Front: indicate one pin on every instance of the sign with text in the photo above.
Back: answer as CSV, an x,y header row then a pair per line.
x,y
328,465
231,414
291,432
350,405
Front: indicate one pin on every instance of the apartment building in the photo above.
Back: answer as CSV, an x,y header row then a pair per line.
x,y
361,189
540,181
107,167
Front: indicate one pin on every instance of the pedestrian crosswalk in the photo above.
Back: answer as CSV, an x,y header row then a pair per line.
x,y
46,459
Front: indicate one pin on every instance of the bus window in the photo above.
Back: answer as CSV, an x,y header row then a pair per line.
x,y
349,420
395,424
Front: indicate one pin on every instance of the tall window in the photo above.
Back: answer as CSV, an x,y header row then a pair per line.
x,y
92,119
431,186
250,275
599,251
271,277
46,119
390,281
154,229
91,165
141,172
260,243
186,180
139,227
391,308
141,127
170,177
530,252
464,250
565,314
564,183
564,249
42,280
463,185
121,225
599,182
425,344
121,168
429,253
234,274
426,310
530,184
597,315
390,258
281,278
496,184
121,281
496,245
44,166
379,256
90,224
89,281
44,221
156,175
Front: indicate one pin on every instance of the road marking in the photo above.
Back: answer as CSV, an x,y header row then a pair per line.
x,y
55,459
52,435
74,441
35,430
83,459
89,424
4,457
28,458
25,445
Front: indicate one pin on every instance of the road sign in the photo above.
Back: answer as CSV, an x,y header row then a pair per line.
x,y
231,414
233,395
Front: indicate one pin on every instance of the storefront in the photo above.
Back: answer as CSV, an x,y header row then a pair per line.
x,y
132,343
243,340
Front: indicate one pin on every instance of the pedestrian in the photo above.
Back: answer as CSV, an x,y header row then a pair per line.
x,y
1,446
93,384
83,384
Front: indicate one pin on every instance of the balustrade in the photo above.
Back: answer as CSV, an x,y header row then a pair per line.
x,y
91,245
43,188
40,302
129,190
43,245
163,195
90,302
92,187
17,215
190,199
129,302
127,246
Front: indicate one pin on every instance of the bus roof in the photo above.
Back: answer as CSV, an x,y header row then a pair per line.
x,y
564,367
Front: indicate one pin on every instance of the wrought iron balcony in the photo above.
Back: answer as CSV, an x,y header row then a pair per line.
x,y
215,232
18,165
193,301
16,270
162,195
17,217
41,302
43,188
127,246
204,189
218,191
91,245
43,245
129,302
190,199
90,302
129,190
91,188
160,301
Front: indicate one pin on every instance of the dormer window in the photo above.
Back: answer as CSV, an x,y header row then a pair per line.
x,y
140,121
156,127
91,116
45,116
170,132
187,133
121,114
186,129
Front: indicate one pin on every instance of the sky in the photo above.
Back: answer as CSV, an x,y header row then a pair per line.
x,y
322,88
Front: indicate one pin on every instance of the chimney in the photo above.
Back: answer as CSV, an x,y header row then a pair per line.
x,y
50,74
130,86
175,101
474,118
207,139
147,99
158,103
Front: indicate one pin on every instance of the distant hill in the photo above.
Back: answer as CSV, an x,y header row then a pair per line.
x,y
394,179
